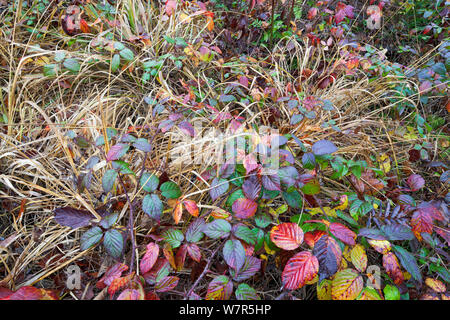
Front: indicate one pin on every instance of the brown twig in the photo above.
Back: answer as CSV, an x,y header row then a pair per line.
x,y
205,271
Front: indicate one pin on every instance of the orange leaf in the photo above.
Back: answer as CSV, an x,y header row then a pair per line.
x,y
191,207
178,212
84,26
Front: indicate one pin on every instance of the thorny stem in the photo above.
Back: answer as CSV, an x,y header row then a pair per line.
x,y
205,271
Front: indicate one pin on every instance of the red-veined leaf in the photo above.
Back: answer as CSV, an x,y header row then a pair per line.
x,y
299,269
194,252
167,284
287,236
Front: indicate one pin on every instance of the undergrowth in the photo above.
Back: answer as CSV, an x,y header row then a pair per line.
x,y
114,119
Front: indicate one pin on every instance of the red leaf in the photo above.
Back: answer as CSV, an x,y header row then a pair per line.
x,y
287,236
84,26
422,220
120,283
343,233
129,294
312,237
25,293
180,257
299,269
112,273
149,258
244,208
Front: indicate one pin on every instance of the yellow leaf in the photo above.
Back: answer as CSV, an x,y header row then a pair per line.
x,y
316,279
343,203
328,211
184,18
268,250
41,61
324,290
359,258
385,163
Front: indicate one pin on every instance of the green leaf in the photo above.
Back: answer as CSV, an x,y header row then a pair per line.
x,y
113,242
391,292
170,190
293,199
60,55
245,292
109,220
238,194
115,62
91,238
50,70
72,64
219,228
152,205
127,54
312,187
119,46
108,180
174,237
149,182
244,233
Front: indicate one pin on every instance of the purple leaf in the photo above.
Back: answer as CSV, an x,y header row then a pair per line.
x,y
74,218
218,188
271,182
415,182
143,145
187,128
234,254
252,187
323,147
244,208
117,151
